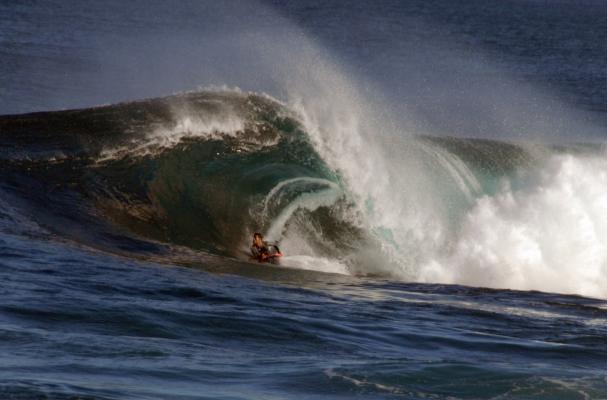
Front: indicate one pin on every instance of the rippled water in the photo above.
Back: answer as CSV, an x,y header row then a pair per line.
x,y
76,323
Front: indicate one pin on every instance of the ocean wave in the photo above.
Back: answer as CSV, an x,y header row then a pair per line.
x,y
204,170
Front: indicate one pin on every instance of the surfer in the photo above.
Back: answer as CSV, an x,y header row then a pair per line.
x,y
261,250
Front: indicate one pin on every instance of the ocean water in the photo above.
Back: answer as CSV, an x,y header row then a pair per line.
x,y
435,173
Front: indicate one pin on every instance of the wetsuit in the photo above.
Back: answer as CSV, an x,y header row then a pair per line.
x,y
259,252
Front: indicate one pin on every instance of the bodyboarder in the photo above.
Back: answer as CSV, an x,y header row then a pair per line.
x,y
262,251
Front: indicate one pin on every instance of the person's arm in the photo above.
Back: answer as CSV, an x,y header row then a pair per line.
x,y
255,254
264,253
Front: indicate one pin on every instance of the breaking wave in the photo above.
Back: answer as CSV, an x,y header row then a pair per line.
x,y
200,172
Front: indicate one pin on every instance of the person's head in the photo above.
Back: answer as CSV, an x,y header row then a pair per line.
x,y
257,239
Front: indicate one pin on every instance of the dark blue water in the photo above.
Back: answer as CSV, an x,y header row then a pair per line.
x,y
81,325
81,319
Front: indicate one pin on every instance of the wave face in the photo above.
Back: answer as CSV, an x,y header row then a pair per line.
x,y
202,171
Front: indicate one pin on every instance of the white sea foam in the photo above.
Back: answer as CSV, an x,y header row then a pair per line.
x,y
315,263
550,235
222,122
380,169
205,126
